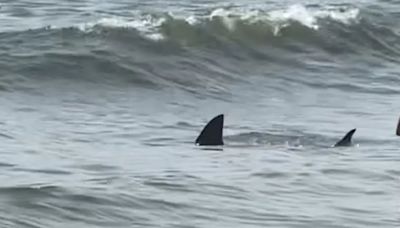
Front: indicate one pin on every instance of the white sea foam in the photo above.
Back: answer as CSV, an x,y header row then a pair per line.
x,y
282,17
146,25
309,17
149,25
229,19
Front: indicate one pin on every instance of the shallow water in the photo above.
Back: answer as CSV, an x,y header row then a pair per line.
x,y
102,102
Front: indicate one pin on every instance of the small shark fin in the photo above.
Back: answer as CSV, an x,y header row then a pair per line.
x,y
398,128
212,133
346,140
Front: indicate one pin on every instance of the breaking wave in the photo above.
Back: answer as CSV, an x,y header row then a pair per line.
x,y
164,26
222,42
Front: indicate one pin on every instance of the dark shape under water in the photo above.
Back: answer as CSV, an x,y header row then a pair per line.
x,y
398,128
346,140
212,133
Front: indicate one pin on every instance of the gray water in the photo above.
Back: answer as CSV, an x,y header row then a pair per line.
x,y
101,103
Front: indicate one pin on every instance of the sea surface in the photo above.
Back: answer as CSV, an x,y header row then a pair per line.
x,y
101,102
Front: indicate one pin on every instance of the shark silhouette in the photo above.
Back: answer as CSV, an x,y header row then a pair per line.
x,y
212,134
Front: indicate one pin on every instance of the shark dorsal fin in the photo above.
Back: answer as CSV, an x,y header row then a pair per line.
x,y
346,140
398,128
212,133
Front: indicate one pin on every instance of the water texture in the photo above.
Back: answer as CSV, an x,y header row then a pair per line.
x,y
101,102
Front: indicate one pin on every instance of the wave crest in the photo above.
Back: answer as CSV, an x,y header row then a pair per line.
x,y
153,26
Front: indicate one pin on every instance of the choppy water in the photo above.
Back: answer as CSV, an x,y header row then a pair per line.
x,y
101,103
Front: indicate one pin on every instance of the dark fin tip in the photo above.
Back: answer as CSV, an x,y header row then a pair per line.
x,y
398,128
212,133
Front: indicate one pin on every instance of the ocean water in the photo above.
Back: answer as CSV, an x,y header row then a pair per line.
x,y
101,102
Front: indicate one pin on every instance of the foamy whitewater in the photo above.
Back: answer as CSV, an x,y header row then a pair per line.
x,y
150,25
101,103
